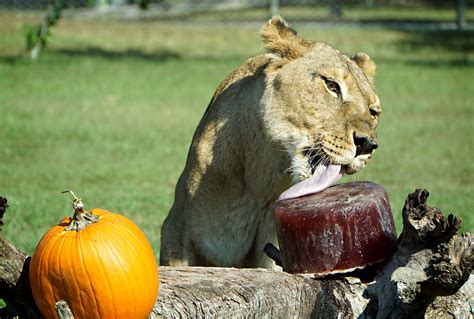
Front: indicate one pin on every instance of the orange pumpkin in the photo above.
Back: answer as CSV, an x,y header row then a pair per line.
x,y
99,262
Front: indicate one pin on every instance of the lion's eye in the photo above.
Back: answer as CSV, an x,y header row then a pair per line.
x,y
332,86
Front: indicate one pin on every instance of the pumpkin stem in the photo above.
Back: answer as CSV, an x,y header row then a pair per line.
x,y
81,218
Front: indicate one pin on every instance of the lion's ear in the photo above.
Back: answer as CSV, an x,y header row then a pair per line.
x,y
367,65
281,39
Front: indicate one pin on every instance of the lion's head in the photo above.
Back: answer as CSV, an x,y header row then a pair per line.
x,y
321,107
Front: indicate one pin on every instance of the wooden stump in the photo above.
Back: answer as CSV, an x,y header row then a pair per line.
x,y
14,282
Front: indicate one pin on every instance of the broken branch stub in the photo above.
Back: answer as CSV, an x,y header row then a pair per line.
x,y
430,261
424,225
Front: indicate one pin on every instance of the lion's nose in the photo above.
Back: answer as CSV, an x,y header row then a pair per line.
x,y
364,145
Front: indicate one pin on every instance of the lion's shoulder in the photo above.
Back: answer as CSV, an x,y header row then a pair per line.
x,y
250,67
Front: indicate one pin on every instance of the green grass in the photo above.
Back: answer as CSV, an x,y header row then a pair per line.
x,y
110,109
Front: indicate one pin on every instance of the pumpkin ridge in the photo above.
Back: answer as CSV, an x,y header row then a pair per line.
x,y
51,269
69,264
91,286
144,246
123,241
142,240
128,283
105,275
144,243
127,226
42,251
111,251
63,290
97,230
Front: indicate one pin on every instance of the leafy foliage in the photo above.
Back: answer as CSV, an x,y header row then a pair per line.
x,y
37,36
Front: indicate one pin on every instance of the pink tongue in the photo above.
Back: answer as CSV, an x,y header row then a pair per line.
x,y
323,177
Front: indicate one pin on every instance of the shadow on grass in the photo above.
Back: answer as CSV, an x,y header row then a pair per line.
x,y
11,59
96,52
448,63
458,62
452,41
118,54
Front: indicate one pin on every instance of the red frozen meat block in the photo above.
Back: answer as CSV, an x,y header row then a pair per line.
x,y
345,227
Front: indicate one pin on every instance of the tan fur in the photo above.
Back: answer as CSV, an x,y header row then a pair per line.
x,y
254,141
366,64
281,39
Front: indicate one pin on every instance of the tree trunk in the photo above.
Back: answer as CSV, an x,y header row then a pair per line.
x,y
227,292
429,276
14,281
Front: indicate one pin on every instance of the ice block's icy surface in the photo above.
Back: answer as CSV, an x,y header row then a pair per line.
x,y
346,226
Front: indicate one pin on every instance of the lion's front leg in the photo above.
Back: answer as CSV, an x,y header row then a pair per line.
x,y
174,251
266,235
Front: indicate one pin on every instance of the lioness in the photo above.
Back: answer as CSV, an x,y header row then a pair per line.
x,y
302,112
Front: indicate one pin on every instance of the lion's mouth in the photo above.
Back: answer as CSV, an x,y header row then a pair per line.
x,y
323,175
322,178
319,157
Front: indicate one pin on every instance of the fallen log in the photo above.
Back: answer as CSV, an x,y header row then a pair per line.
x,y
429,275
14,282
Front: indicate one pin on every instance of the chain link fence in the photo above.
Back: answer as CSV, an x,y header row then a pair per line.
x,y
434,14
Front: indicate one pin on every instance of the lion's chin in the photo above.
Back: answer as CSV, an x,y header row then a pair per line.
x,y
356,164
350,169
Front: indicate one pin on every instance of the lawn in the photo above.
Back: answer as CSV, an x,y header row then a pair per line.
x,y
110,109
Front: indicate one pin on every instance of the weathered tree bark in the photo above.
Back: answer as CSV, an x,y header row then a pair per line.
x,y
14,282
228,292
430,261
429,275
